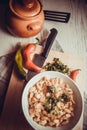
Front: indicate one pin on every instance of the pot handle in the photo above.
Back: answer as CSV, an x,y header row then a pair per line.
x,y
33,26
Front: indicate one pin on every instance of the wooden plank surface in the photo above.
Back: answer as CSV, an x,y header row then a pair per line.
x,y
12,117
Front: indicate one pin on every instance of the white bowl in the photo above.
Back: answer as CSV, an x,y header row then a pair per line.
x,y
77,96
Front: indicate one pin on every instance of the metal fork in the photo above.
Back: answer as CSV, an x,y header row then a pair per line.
x,y
57,16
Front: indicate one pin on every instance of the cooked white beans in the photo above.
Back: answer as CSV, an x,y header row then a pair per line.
x,y
51,102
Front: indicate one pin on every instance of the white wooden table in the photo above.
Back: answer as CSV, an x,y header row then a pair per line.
x,y
72,36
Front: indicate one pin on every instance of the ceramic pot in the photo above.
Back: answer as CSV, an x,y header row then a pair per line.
x,y
24,18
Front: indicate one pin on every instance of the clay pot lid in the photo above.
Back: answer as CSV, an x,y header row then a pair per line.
x,y
25,8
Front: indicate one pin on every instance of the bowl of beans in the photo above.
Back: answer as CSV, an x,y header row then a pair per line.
x,y
51,100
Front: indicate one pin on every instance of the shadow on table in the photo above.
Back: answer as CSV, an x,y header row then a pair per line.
x,y
3,7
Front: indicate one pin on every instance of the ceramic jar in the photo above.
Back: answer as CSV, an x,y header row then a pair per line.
x,y
24,18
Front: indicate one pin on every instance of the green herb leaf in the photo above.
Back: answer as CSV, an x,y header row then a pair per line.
x,y
64,98
57,65
52,89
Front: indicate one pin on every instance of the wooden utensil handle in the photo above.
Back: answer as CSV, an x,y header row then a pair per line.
x,y
49,42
